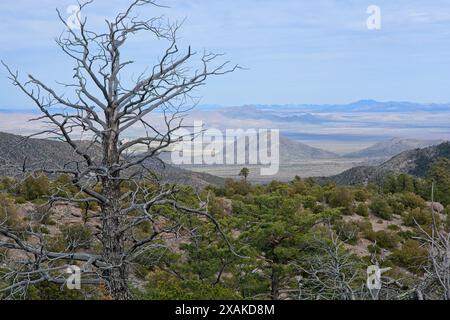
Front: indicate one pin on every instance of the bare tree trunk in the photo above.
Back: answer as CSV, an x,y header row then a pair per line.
x,y
113,245
113,240
275,284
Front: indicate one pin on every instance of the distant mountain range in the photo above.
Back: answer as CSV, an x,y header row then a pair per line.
x,y
256,113
358,106
367,105
416,162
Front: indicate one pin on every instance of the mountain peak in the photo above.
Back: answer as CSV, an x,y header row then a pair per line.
x,y
366,101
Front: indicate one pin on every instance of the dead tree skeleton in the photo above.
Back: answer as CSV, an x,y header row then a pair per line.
x,y
436,281
331,273
104,108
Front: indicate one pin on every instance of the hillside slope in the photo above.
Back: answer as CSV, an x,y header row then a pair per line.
x,y
294,151
392,148
415,162
17,151
291,151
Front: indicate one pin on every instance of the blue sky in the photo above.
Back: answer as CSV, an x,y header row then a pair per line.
x,y
295,51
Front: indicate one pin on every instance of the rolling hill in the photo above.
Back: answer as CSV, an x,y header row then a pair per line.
x,y
415,162
391,148
292,150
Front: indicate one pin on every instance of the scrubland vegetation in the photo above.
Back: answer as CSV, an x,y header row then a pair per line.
x,y
296,240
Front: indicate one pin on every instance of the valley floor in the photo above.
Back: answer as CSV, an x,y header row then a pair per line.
x,y
303,169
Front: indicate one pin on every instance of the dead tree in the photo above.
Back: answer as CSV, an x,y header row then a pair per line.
x,y
102,108
438,273
335,273
331,273
436,282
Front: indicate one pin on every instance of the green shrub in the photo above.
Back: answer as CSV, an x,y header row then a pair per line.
x,y
394,227
386,240
299,186
318,208
412,256
33,187
7,185
309,202
8,212
411,200
20,200
163,286
447,210
396,204
362,195
418,216
381,208
341,198
374,249
362,210
365,227
406,234
50,291
64,185
240,187
39,201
